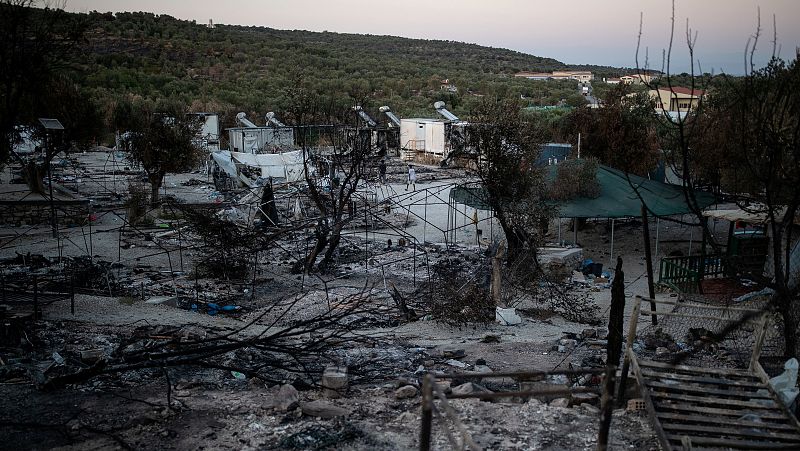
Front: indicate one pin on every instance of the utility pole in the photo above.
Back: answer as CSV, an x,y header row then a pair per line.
x,y
50,125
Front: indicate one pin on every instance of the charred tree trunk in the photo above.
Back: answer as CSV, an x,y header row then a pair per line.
x,y
615,323
785,307
268,212
34,174
155,179
515,239
783,295
333,243
322,234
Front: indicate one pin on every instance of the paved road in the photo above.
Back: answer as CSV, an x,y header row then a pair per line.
x,y
589,98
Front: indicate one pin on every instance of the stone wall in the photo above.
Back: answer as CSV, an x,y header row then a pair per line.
x,y
22,213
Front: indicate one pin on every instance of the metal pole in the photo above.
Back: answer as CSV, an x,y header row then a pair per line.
x,y
575,228
415,265
447,229
91,247
114,173
35,297
559,232
649,262
425,216
658,228
180,245
612,240
53,221
72,293
119,241
702,267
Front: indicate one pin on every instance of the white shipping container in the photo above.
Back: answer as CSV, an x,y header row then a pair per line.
x,y
426,135
260,139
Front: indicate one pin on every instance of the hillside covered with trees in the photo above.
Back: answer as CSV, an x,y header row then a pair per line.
x,y
258,69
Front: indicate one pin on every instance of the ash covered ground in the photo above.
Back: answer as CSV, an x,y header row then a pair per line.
x,y
243,384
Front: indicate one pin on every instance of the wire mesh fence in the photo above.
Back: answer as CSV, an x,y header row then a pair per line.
x,y
694,331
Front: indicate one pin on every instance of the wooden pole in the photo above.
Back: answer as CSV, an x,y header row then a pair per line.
x,y
614,351
575,230
651,291
497,276
760,334
632,324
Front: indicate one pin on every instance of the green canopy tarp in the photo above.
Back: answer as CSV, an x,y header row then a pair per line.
x,y
617,199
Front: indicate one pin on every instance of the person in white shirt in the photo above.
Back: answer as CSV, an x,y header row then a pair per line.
x,y
412,178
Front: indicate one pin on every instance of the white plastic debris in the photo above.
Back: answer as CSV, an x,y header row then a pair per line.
x,y
58,359
785,384
456,363
507,316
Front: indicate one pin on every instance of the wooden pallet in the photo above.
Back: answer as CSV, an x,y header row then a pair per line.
x,y
696,408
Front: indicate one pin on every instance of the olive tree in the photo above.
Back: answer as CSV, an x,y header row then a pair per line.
x,y
504,147
159,138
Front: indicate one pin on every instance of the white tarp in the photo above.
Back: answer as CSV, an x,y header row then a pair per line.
x,y
287,165
25,144
224,161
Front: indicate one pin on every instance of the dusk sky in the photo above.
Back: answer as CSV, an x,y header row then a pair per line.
x,y
575,32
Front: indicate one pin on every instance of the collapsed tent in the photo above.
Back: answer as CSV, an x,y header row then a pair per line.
x,y
618,197
287,166
225,162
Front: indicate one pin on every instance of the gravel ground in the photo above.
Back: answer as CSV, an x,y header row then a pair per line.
x,y
222,412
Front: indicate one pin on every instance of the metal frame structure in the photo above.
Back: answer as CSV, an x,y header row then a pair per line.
x,y
694,407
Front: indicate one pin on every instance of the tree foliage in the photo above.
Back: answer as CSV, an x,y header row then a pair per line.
x,y
504,148
747,138
159,137
253,69
34,46
621,133
575,178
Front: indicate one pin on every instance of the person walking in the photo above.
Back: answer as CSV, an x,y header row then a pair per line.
x,y
412,178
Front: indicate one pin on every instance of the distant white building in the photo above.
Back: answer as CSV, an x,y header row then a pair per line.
x,y
208,135
446,85
582,76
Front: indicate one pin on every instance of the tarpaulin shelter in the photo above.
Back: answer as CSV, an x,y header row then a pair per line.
x,y
287,165
620,196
